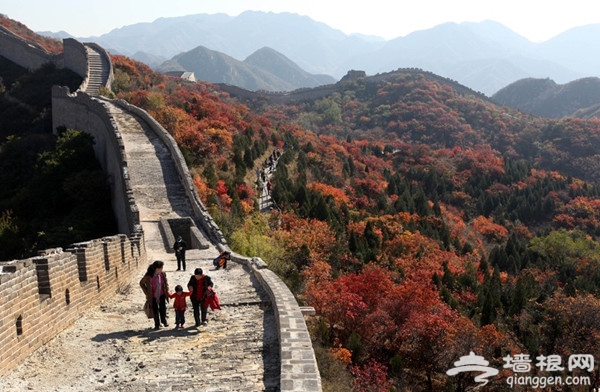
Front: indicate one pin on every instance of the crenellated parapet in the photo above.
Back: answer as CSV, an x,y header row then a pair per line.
x,y
43,295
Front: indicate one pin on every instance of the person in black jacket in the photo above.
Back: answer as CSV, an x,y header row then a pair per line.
x,y
179,248
198,284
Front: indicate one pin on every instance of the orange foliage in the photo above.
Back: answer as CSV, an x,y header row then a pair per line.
x,y
51,45
342,354
488,229
338,195
581,212
315,234
203,190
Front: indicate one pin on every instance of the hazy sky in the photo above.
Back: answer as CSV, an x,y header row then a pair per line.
x,y
537,20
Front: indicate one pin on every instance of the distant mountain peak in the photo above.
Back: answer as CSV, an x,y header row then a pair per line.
x,y
265,69
546,98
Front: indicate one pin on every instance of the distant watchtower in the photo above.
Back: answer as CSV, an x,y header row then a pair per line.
x,y
353,75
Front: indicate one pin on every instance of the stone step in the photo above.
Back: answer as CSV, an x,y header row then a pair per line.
x,y
98,71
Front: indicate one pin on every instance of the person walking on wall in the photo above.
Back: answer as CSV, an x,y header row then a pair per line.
x,y
154,284
146,285
179,248
198,285
180,305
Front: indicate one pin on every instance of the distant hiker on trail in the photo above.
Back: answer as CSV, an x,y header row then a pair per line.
x,y
221,260
198,285
155,286
179,248
180,305
269,187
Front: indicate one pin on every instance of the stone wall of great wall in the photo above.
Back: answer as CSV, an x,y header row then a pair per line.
x,y
24,53
43,295
299,369
80,111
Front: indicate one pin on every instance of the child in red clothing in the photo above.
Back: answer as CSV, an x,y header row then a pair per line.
x,y
180,305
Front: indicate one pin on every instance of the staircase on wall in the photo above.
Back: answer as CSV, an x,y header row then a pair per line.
x,y
153,175
258,342
98,71
247,342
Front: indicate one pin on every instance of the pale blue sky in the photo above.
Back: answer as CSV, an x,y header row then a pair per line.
x,y
537,20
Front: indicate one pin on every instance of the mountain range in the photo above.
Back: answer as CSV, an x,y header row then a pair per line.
x,y
546,98
485,56
265,69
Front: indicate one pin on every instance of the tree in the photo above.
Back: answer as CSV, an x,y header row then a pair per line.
x,y
370,377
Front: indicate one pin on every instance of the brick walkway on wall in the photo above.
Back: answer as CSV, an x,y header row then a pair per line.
x,y
232,353
237,350
114,348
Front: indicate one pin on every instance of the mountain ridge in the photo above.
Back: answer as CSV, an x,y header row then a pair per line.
x,y
320,49
546,98
265,69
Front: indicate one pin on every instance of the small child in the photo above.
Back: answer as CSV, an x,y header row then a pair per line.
x,y
180,305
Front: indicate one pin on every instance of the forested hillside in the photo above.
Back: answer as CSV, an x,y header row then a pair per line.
x,y
543,97
420,223
52,190
51,45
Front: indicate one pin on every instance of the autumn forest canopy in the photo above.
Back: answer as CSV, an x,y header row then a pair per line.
x,y
420,222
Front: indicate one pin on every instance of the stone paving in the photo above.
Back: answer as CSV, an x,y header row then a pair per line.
x,y
238,350
153,176
233,349
115,348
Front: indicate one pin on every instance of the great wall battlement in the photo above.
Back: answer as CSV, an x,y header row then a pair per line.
x,y
41,296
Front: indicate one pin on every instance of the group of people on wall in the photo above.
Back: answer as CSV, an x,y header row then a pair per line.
x,y
263,176
155,286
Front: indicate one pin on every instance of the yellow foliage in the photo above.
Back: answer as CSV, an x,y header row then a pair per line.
x,y
254,239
